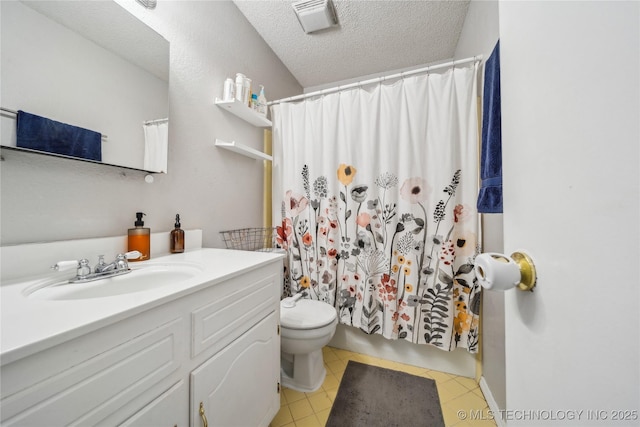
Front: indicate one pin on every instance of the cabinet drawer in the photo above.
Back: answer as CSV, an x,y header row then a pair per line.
x,y
56,387
239,386
168,410
244,302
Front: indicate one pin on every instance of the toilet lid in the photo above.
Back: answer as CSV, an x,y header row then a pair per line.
x,y
307,314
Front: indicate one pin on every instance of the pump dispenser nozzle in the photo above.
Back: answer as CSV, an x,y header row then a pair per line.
x,y
139,222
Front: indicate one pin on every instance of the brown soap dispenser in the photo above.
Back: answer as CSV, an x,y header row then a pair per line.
x,y
139,239
177,238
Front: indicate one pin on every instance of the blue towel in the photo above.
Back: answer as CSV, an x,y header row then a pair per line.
x,y
490,195
42,134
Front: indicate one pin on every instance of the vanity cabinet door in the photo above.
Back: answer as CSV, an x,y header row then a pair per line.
x,y
239,385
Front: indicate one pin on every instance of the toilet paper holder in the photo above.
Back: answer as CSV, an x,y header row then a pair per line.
x,y
525,266
527,271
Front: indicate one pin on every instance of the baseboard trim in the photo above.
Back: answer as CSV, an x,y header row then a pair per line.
x,y
493,406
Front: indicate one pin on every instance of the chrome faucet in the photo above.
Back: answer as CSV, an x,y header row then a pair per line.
x,y
119,264
102,270
102,266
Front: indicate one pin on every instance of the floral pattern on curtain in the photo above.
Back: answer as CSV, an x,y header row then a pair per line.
x,y
388,238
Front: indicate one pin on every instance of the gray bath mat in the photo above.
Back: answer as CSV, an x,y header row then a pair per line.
x,y
369,396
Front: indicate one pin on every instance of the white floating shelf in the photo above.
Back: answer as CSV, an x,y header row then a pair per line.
x,y
244,112
243,149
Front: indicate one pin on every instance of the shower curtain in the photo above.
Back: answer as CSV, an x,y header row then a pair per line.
x,y
374,198
156,141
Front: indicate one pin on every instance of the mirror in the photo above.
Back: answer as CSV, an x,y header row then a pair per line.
x,y
92,65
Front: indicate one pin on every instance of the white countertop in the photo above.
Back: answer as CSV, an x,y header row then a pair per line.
x,y
29,325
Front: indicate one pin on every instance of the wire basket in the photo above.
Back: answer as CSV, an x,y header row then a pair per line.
x,y
250,239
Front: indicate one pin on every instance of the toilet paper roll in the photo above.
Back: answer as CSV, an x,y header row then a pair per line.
x,y
497,271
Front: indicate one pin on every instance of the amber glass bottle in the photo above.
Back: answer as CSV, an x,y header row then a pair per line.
x,y
177,238
139,239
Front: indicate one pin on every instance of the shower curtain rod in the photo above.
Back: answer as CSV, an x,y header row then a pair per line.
x,y
157,121
379,79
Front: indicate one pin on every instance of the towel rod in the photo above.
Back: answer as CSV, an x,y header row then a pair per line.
x,y
15,113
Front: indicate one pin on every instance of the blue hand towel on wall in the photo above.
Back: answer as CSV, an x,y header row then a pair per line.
x,y
42,134
490,195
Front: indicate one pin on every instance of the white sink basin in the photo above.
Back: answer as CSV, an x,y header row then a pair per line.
x,y
142,278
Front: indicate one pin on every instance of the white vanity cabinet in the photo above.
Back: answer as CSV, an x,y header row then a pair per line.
x,y
219,345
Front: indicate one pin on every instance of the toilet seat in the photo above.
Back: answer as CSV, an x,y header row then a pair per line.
x,y
307,314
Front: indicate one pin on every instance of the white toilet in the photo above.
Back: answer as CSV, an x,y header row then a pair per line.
x,y
305,327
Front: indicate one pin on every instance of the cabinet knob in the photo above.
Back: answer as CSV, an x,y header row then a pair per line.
x,y
203,416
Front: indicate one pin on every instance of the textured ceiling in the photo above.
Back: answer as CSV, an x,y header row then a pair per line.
x,y
371,36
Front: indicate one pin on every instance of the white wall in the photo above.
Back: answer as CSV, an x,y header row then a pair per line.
x,y
480,31
570,109
479,36
47,199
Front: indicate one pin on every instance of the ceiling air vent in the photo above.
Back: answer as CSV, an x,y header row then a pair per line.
x,y
149,4
315,15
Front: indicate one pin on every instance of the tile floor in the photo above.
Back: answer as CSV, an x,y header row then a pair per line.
x,y
312,409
